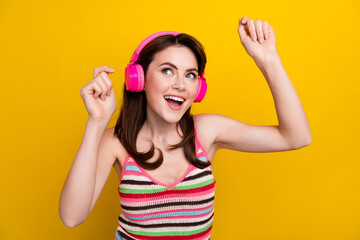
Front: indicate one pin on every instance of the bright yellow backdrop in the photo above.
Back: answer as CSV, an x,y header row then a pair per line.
x,y
48,52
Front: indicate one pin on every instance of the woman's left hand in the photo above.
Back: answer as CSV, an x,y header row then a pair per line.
x,y
258,38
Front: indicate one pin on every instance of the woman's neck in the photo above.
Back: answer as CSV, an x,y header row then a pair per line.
x,y
160,131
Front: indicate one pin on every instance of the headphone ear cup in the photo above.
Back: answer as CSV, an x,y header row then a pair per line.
x,y
202,87
134,78
140,80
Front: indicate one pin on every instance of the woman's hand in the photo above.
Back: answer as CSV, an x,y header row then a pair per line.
x,y
99,97
258,38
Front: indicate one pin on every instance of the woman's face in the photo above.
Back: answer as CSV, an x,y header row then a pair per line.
x,y
171,83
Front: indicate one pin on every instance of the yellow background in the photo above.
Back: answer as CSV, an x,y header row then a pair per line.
x,y
49,50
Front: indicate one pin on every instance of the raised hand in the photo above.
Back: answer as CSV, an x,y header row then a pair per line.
x,y
99,97
258,38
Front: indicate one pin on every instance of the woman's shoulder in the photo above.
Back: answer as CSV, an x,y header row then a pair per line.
x,y
206,131
206,122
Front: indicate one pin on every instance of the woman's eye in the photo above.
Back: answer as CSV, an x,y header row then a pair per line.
x,y
167,71
192,75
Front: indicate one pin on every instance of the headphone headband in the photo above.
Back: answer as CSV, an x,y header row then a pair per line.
x,y
149,39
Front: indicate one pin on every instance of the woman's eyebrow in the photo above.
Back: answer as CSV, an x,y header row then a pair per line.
x,y
172,65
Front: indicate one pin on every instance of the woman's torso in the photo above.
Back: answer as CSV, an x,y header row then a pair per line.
x,y
174,181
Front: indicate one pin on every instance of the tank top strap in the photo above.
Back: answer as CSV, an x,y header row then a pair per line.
x,y
129,167
200,150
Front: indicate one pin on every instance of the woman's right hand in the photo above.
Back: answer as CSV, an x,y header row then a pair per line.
x,y
99,96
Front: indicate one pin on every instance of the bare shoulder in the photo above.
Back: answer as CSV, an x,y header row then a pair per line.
x,y
205,125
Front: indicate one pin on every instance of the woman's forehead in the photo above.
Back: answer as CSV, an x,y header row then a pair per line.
x,y
178,55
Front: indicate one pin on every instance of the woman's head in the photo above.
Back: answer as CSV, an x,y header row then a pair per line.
x,y
187,53
188,50
158,44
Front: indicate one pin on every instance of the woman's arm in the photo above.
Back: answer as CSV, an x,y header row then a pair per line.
x,y
87,176
95,157
293,130
293,123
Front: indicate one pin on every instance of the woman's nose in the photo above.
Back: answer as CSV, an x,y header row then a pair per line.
x,y
179,83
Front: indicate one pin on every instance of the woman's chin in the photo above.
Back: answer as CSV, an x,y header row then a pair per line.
x,y
173,119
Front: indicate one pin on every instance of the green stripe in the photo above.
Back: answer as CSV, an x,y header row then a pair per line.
x,y
142,191
173,233
197,185
138,191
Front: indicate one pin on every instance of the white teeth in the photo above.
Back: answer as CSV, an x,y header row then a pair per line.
x,y
179,99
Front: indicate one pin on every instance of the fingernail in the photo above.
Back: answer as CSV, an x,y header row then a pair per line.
x,y
254,38
112,69
266,36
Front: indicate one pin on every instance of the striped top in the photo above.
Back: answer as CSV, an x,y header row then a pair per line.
x,y
154,210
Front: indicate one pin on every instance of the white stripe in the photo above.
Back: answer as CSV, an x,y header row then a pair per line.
x,y
198,170
195,181
142,187
135,177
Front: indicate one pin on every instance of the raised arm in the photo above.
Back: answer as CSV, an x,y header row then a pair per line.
x,y
293,130
95,157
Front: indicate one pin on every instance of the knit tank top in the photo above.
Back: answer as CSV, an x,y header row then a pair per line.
x,y
154,210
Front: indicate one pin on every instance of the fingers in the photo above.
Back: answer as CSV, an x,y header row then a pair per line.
x,y
257,30
97,88
102,84
266,26
105,84
104,68
250,27
244,19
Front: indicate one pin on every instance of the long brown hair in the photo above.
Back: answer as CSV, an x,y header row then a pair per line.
x,y
133,109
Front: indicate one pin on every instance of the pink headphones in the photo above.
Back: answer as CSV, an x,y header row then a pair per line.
x,y
134,73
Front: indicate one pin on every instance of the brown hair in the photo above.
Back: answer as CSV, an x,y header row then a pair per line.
x,y
133,109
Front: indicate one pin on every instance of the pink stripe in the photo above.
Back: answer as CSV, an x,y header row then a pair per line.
x,y
184,196
161,201
172,217
132,163
199,194
167,211
135,203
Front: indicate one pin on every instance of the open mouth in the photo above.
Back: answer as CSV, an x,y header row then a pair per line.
x,y
174,101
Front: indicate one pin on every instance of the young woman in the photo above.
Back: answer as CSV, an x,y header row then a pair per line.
x,y
163,154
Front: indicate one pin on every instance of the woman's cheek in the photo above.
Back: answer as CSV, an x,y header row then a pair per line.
x,y
194,88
